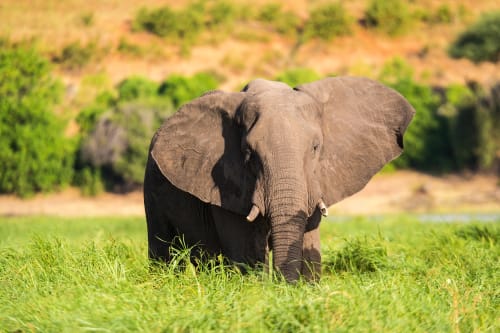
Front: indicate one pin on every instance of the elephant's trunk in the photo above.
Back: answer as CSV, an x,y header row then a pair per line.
x,y
287,212
287,236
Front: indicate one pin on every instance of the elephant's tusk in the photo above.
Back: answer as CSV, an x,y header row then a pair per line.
x,y
322,208
253,213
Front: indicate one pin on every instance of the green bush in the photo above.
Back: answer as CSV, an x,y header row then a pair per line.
x,y
90,181
328,21
443,15
131,49
481,41
34,153
75,56
165,22
115,132
117,146
294,77
286,23
474,122
390,16
221,14
137,87
427,144
181,89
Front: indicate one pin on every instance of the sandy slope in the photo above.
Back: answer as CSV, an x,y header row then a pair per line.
x,y
401,192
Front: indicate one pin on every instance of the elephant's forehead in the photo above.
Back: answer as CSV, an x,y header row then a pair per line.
x,y
277,102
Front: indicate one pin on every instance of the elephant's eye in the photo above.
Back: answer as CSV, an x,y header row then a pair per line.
x,y
315,147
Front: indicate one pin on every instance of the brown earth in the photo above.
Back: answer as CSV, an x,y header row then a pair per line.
x,y
249,50
252,51
400,192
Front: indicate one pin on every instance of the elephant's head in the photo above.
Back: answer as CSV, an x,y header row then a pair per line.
x,y
283,153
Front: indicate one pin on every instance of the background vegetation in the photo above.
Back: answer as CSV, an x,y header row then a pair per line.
x,y
35,155
95,133
394,275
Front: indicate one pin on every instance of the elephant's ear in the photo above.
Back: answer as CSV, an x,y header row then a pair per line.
x,y
198,150
363,123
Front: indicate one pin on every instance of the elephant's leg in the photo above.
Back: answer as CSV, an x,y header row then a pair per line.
x,y
158,237
241,241
311,250
160,233
311,267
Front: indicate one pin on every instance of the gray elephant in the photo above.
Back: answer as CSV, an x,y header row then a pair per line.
x,y
252,171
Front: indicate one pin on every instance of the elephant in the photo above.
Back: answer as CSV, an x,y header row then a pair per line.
x,y
243,173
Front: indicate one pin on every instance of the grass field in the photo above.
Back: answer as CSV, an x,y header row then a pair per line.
x,y
389,274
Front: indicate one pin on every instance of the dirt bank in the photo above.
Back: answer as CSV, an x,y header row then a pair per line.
x,y
390,193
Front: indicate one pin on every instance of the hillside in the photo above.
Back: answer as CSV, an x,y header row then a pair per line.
x,y
248,49
93,46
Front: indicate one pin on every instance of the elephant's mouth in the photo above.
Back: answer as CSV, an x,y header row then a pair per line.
x,y
254,211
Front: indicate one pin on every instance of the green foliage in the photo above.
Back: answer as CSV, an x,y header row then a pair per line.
x,y
136,87
295,76
34,153
87,19
221,14
443,14
181,89
389,16
328,21
75,56
90,181
286,23
474,125
119,140
165,22
426,140
481,41
93,274
187,23
116,132
128,48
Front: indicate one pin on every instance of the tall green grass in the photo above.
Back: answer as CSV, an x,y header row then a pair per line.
x,y
392,274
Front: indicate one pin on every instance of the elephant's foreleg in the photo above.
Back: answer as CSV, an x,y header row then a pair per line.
x,y
311,251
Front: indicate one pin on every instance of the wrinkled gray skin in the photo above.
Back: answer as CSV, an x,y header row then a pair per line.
x,y
280,149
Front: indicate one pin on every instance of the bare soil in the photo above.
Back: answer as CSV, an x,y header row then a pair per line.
x,y
400,192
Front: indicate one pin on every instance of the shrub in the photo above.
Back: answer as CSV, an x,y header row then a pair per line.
x,y
221,14
87,19
181,89
128,48
165,22
116,132
389,16
427,144
137,87
294,77
118,143
328,21
481,41
443,15
283,22
474,122
75,56
34,153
